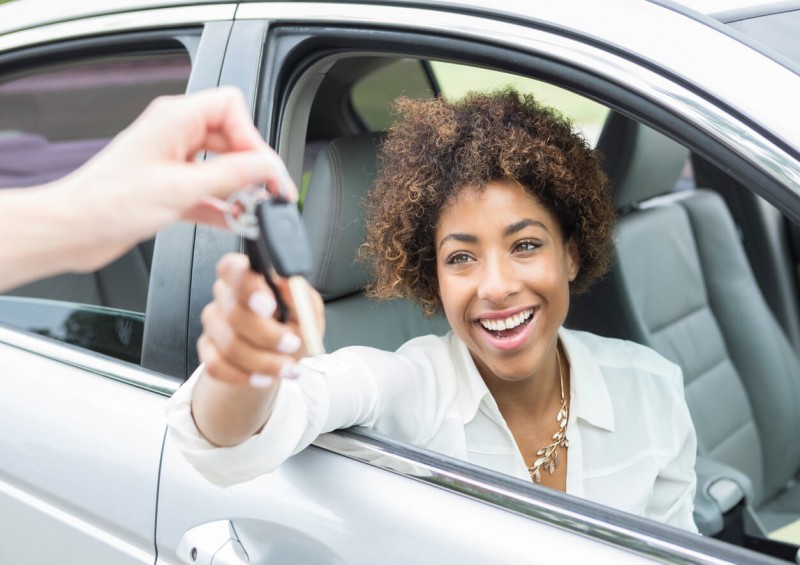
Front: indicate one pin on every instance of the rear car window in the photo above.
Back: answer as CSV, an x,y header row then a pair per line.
x,y
54,116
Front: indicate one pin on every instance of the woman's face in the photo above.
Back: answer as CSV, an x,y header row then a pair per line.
x,y
504,271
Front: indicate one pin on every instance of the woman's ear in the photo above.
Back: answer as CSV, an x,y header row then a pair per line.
x,y
573,258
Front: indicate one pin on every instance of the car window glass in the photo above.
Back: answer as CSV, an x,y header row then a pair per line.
x,y
456,80
54,117
372,96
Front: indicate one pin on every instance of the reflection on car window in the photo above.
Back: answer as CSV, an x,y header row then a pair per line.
x,y
57,116
54,117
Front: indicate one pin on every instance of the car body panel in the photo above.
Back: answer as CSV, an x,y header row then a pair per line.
x,y
80,457
299,515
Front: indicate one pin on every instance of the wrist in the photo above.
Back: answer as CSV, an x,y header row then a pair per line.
x,y
74,226
47,232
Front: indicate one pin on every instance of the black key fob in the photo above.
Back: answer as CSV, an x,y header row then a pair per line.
x,y
282,245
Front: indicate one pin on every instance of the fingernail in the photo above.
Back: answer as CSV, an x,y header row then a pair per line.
x,y
289,343
289,371
260,381
262,304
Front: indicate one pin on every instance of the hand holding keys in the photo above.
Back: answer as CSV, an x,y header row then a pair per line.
x,y
275,238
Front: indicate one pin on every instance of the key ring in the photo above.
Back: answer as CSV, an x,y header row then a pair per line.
x,y
240,216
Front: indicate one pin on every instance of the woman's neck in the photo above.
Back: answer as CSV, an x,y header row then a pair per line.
x,y
530,397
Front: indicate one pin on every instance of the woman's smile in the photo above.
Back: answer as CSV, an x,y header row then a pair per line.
x,y
508,331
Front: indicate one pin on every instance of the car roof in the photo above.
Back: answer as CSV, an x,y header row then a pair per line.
x,y
23,14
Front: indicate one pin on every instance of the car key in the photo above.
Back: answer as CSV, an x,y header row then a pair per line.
x,y
275,238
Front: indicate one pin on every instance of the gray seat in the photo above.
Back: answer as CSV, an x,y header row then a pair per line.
x,y
769,240
343,173
682,285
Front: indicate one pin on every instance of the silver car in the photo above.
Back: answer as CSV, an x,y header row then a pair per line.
x,y
695,109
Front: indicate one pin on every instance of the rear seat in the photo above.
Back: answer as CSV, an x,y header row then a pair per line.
x,y
683,286
343,173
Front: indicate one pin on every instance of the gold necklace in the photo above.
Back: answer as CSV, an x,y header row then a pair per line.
x,y
547,456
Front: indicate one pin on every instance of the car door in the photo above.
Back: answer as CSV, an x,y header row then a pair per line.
x,y
82,420
355,497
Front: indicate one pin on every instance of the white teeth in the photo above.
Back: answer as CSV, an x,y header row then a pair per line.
x,y
508,323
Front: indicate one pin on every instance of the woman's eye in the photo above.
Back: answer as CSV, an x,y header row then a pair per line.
x,y
458,258
526,246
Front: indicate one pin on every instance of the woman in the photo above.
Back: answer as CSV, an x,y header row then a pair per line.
x,y
492,210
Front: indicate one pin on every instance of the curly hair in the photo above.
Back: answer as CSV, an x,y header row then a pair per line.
x,y
437,147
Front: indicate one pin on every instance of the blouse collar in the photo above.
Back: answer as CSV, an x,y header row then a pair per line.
x,y
589,397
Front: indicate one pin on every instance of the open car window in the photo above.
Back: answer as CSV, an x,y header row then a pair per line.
x,y
667,176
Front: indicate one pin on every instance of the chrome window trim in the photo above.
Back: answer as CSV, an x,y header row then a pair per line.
x,y
510,494
88,361
722,126
114,23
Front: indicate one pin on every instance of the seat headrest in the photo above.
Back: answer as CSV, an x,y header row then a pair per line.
x,y
640,162
342,174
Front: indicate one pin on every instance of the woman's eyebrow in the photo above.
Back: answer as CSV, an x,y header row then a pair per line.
x,y
510,230
517,226
463,237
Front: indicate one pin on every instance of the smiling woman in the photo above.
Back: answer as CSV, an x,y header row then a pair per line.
x,y
492,210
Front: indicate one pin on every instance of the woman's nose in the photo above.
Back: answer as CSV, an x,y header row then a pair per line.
x,y
498,280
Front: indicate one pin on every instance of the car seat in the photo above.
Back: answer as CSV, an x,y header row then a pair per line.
x,y
333,212
682,285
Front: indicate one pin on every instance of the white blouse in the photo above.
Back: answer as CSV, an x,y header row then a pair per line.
x,y
631,440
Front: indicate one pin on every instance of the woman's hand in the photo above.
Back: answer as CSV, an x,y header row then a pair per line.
x,y
246,352
242,340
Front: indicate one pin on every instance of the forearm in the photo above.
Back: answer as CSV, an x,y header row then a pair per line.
x,y
42,235
227,414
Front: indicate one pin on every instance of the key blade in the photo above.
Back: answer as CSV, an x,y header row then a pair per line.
x,y
305,316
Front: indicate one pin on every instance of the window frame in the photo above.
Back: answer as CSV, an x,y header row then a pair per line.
x,y
300,48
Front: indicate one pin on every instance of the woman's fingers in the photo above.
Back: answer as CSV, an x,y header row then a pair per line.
x,y
242,341
230,357
253,323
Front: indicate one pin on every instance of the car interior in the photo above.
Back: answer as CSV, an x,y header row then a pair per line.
x,y
705,270
713,291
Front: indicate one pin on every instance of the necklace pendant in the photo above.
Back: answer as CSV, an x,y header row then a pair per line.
x,y
547,456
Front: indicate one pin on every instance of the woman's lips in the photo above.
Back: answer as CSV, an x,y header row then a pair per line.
x,y
509,332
